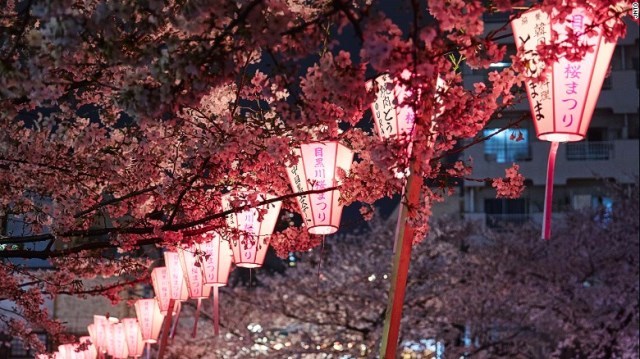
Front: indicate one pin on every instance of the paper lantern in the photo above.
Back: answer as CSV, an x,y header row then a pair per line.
x,y
92,334
118,342
395,120
91,351
67,351
135,344
217,260
250,248
391,119
101,323
149,318
177,284
162,288
562,105
317,169
193,273
110,339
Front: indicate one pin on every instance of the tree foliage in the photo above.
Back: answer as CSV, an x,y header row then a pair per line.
x,y
124,122
483,294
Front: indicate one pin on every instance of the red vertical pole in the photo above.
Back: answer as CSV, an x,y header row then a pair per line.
x,y
400,270
548,192
166,329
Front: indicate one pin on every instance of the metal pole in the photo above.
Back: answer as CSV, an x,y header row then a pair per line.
x,y
166,329
174,329
216,312
195,324
400,269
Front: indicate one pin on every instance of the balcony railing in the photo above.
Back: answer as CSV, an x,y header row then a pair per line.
x,y
506,220
585,151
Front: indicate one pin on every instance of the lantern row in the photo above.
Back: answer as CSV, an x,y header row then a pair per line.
x,y
561,106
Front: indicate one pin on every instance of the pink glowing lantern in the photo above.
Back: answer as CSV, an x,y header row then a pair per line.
x,y
90,352
109,330
317,169
162,288
91,328
149,318
135,344
250,249
390,118
191,267
177,284
101,324
193,273
217,259
562,105
67,351
118,342
393,119
216,265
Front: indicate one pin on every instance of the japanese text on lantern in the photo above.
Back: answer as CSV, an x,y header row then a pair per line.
x,y
248,226
175,276
572,74
539,92
383,106
146,326
320,183
298,183
163,288
209,260
194,279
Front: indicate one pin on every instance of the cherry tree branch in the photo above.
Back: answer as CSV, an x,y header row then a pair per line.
x,y
92,246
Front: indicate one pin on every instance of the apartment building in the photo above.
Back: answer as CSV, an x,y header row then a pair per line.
x,y
609,152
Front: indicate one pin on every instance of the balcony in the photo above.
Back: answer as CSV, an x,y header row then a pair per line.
x,y
506,220
589,151
616,159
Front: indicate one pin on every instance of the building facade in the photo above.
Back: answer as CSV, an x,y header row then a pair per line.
x,y
610,151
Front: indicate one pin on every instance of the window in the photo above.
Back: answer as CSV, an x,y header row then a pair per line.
x,y
496,17
604,210
16,349
501,212
502,149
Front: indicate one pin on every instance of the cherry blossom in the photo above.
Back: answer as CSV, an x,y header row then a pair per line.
x,y
124,122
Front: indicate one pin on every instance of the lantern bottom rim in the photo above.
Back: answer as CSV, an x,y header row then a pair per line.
x,y
217,284
323,229
560,137
249,265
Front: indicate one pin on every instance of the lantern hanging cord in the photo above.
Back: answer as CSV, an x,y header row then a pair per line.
x,y
216,312
548,194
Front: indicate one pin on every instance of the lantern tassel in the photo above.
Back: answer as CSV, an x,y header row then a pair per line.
x,y
195,324
548,194
148,350
175,323
216,312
